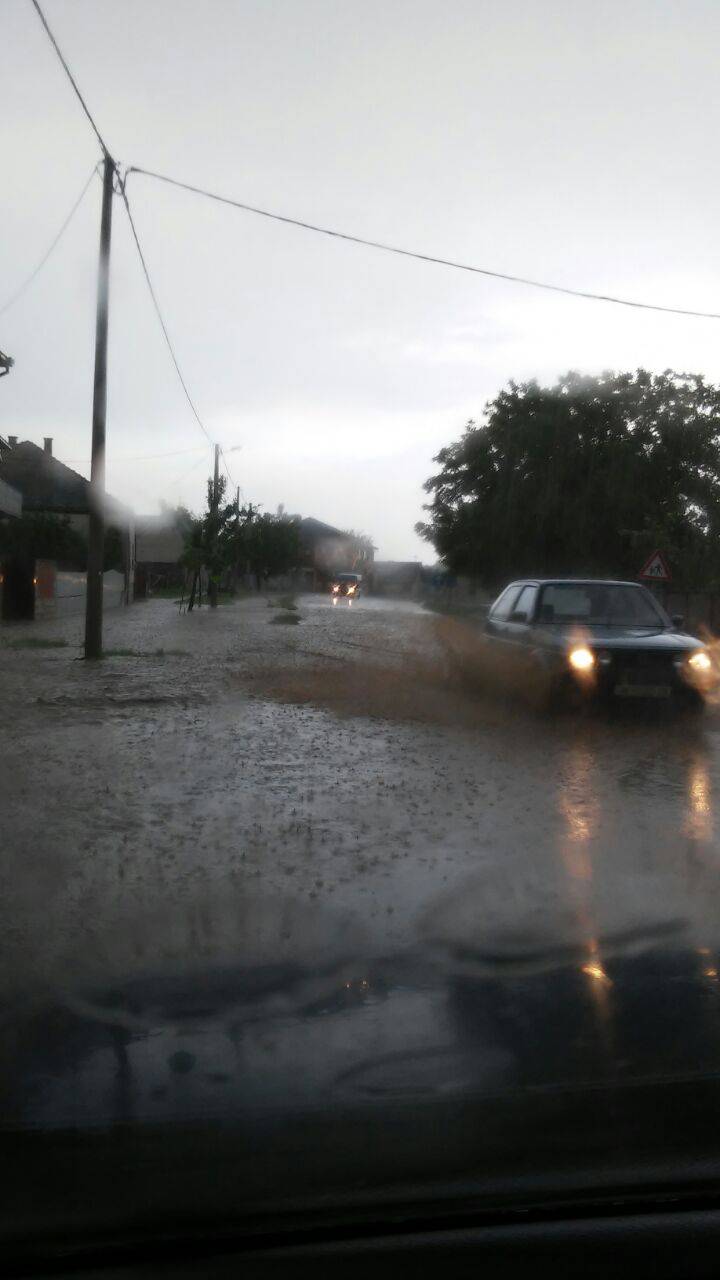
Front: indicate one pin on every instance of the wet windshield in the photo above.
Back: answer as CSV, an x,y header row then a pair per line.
x,y
609,605
329,891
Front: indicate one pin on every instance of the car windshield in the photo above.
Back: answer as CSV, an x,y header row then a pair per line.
x,y
330,892
598,603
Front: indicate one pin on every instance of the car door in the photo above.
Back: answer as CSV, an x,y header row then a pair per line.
x,y
519,626
497,620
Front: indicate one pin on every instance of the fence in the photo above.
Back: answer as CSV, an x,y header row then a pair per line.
x,y
60,593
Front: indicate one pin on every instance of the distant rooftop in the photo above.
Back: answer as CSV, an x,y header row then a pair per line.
x,y
312,529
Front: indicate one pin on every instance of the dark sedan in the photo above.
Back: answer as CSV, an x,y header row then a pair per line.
x,y
599,638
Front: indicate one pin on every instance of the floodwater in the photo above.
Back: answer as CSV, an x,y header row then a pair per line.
x,y
347,786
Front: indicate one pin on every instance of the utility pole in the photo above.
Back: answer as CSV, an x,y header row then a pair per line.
x,y
236,564
96,528
213,591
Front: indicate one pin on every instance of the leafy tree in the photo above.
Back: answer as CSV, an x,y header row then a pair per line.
x,y
362,550
587,476
238,539
203,537
269,545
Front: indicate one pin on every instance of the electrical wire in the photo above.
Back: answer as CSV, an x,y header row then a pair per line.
x,y
187,471
26,284
423,257
227,469
159,314
144,457
70,76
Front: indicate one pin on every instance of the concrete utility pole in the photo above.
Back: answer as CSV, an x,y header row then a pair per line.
x,y
96,528
213,590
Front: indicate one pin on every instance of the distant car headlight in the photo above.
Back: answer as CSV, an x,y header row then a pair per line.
x,y
351,591
700,662
335,589
581,658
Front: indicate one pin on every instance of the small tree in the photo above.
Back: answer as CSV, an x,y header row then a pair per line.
x,y
204,538
269,544
362,550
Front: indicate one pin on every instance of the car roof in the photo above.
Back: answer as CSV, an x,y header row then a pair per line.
x,y
575,582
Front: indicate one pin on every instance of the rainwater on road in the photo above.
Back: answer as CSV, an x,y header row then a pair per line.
x,y
224,789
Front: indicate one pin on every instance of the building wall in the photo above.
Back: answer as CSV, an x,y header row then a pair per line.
x,y
10,500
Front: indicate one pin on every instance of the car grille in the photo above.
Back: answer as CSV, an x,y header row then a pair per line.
x,y
645,668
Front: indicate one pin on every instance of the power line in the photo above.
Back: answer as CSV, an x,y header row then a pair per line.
x,y
26,284
149,457
227,469
183,474
158,312
145,457
423,257
70,76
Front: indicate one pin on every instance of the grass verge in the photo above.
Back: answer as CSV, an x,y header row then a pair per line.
x,y
36,642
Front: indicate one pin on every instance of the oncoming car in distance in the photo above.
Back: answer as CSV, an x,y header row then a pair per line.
x,y
593,638
346,584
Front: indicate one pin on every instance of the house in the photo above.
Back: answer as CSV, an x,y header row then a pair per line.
x,y
159,545
10,501
47,487
326,550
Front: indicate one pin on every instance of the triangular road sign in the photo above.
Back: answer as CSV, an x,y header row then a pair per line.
x,y
656,568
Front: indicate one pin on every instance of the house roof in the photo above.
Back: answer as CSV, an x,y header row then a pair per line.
x,y
311,530
158,540
46,484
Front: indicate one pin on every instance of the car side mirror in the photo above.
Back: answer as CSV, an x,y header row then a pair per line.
x,y
678,619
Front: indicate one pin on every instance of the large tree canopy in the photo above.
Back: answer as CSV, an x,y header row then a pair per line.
x,y
587,476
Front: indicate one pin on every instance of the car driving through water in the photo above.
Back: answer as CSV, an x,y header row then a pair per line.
x,y
593,638
346,584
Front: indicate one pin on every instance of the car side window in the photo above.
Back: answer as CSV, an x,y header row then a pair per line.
x,y
503,606
525,604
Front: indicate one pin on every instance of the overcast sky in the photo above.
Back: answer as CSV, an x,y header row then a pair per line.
x,y
570,141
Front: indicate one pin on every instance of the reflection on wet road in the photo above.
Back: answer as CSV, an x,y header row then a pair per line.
x,y
291,876
332,769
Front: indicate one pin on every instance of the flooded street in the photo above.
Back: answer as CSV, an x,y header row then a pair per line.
x,y
320,789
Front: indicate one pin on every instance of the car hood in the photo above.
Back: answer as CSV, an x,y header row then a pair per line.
x,y
502,1075
661,640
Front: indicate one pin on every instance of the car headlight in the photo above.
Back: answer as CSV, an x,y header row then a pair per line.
x,y
581,658
700,662
335,590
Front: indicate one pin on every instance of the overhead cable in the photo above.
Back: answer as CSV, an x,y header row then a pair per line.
x,y
70,76
144,457
26,284
227,469
159,314
422,257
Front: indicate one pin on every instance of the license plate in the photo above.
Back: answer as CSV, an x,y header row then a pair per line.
x,y
643,690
